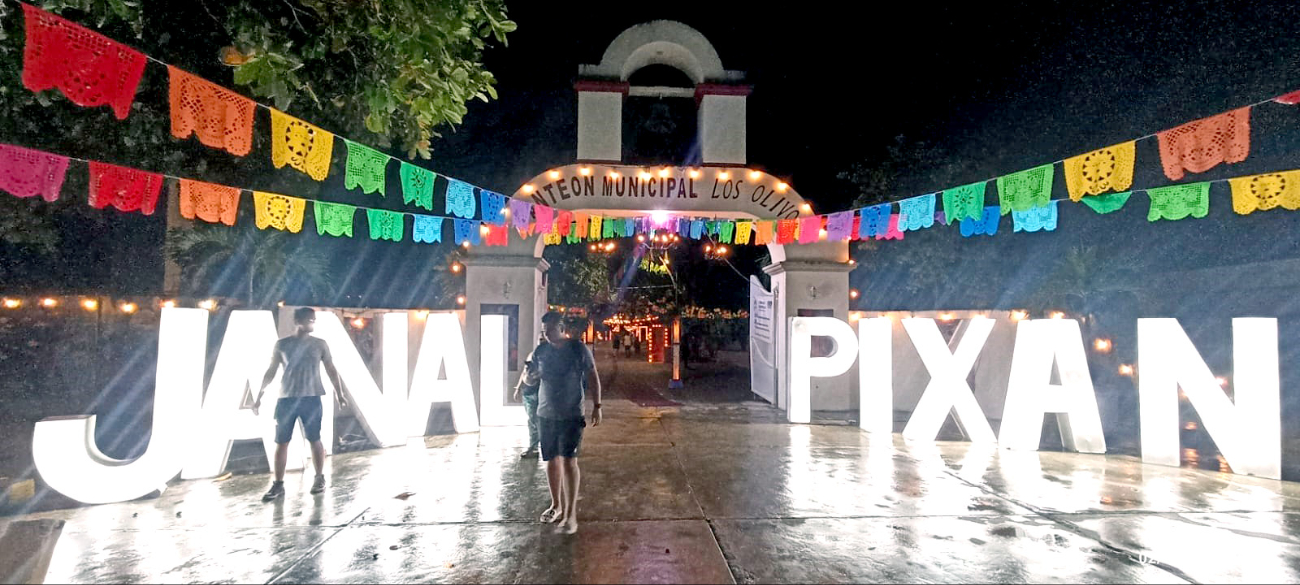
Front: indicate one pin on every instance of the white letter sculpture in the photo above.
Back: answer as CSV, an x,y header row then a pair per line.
x,y
64,448
443,343
1248,433
948,390
876,376
492,376
1031,394
803,367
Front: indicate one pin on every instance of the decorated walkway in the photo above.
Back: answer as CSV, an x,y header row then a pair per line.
x,y
709,491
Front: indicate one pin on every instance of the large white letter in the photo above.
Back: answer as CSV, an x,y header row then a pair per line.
x,y
369,404
64,447
803,367
246,351
1248,433
876,375
492,376
1031,394
442,344
948,390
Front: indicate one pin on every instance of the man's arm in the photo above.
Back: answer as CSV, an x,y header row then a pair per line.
x,y
327,360
593,392
269,377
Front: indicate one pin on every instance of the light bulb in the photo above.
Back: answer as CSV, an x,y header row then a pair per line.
x,y
553,175
664,172
694,173
754,175
128,308
208,304
781,187
90,304
724,175
585,171
528,189
13,303
49,303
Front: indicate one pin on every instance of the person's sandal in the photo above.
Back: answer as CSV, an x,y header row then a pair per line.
x,y
550,516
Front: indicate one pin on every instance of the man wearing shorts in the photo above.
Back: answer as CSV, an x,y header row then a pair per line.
x,y
300,396
562,367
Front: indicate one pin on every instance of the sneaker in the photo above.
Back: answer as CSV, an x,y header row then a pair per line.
x,y
529,453
318,486
276,491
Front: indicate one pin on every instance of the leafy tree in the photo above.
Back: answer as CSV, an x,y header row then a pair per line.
x,y
271,264
383,70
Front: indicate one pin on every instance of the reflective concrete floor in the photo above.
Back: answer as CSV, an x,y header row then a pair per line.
x,y
706,492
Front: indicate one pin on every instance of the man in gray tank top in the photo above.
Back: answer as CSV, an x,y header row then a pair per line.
x,y
300,396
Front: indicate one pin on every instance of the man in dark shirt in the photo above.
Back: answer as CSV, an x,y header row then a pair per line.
x,y
300,396
562,365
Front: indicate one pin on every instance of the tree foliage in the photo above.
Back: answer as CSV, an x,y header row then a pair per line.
x,y
386,71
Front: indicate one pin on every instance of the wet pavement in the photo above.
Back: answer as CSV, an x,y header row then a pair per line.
x,y
713,491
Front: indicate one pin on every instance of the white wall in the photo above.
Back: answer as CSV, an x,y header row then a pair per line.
x,y
722,129
600,126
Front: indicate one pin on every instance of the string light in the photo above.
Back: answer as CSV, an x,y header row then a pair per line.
x,y
614,175
460,300
1102,345
1019,315
1222,381
169,304
49,303
853,293
585,171
12,303
553,175
946,317
1057,315
664,172
90,304
208,304
455,267
645,176
422,315
465,244
781,187
853,262
359,323
754,175
724,175
806,207
694,173
1125,370
528,189
128,308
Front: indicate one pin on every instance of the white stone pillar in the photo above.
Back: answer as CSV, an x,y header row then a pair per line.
x,y
722,123
600,120
494,277
811,285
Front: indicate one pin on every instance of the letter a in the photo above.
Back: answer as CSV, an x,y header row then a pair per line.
x,y
1031,395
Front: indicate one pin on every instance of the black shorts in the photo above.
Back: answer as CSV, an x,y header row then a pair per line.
x,y
561,438
290,410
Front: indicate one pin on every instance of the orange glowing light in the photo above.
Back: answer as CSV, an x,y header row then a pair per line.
x,y
664,172
614,175
528,189
707,247
724,175
853,293
1057,315
553,175
853,262
455,267
754,175
1102,345
806,207
694,173
460,300
781,187
1125,370
640,238
465,244
585,171
645,176
169,304
13,303
49,303
1019,315
422,315
90,304
128,308
208,304
1222,381
359,323
947,316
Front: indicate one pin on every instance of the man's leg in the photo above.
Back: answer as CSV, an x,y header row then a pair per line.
x,y
553,480
534,433
312,413
281,461
572,480
285,418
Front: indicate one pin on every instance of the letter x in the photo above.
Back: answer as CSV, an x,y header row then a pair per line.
x,y
948,390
